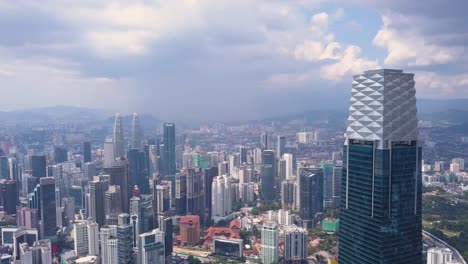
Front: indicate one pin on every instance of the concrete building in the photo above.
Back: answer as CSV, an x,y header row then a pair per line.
x,y
295,244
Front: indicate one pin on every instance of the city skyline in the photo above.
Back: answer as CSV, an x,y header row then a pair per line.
x,y
150,60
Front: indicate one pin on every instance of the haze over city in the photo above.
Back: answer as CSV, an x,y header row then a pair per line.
x,y
233,60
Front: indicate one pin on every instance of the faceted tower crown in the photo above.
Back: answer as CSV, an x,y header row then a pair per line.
x,y
383,106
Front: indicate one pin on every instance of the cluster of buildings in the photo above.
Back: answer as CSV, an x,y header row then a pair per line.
x,y
120,201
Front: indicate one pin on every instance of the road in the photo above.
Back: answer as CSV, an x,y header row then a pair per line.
x,y
433,241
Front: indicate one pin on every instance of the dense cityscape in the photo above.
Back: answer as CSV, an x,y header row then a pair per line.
x,y
381,187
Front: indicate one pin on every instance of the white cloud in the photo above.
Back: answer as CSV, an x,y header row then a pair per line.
x,y
350,63
407,47
431,84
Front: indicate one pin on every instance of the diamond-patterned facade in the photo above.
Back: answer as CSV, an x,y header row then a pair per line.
x,y
383,107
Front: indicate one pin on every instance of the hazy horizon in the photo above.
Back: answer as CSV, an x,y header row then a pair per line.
x,y
223,60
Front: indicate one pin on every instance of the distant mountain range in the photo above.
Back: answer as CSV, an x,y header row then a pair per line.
x,y
455,111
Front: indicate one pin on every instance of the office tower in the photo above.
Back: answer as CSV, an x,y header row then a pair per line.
x,y
288,157
14,236
336,183
136,132
125,244
282,169
243,177
270,244
165,225
135,217
380,216
209,175
151,247
440,256
118,173
112,204
118,138
39,253
195,191
163,197
268,183
154,160
97,190
48,207
60,154
242,150
264,141
89,170
288,192
86,152
4,168
190,230
109,244
181,194
137,170
68,205
268,157
327,169
8,196
310,194
280,146
27,217
169,148
77,193
221,197
148,221
295,244
38,166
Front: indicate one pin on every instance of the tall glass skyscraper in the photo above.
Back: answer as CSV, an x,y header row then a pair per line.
x,y
169,148
118,137
380,219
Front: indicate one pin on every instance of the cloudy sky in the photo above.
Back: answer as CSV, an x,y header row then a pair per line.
x,y
223,59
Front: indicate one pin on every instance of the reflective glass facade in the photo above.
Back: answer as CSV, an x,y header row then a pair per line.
x,y
380,219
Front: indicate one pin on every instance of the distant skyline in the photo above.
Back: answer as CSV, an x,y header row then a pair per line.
x,y
214,59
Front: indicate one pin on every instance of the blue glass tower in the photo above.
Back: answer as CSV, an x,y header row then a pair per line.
x,y
380,219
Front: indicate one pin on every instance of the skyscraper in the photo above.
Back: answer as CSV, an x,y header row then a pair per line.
x,y
280,146
181,194
38,166
8,196
221,197
269,252
137,170
169,148
151,247
118,138
109,244
118,173
327,169
288,157
310,194
195,202
295,244
60,154
48,207
268,182
136,132
381,193
86,152
125,244
97,191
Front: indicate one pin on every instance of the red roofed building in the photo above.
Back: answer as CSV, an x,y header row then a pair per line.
x,y
190,230
228,232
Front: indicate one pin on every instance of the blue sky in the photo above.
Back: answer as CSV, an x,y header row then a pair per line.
x,y
220,59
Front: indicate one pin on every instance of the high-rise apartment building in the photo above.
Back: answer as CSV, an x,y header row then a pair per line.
x,y
151,247
380,220
269,252
221,197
